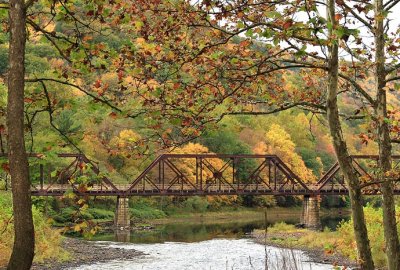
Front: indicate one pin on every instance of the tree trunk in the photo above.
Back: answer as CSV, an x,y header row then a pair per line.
x,y
385,145
24,244
342,154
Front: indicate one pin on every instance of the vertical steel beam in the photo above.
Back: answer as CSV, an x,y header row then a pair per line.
x,y
275,177
41,176
162,174
201,174
233,169
197,172
269,172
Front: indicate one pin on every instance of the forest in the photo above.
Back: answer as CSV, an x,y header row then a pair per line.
x,y
125,81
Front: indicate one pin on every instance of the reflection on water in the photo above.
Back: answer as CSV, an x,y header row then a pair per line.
x,y
199,230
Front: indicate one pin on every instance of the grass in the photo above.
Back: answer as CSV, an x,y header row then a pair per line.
x,y
341,241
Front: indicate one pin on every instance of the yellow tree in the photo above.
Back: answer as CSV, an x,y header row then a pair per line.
x,y
188,167
278,142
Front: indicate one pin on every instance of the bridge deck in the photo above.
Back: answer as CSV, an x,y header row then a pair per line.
x,y
189,190
203,174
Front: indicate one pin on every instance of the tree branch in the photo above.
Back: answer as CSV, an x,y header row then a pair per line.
x,y
50,111
390,4
358,88
358,17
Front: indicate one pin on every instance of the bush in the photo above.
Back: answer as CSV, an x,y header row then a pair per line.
x,y
288,201
374,219
36,64
2,185
197,204
144,208
47,240
101,213
146,213
68,215
257,201
3,59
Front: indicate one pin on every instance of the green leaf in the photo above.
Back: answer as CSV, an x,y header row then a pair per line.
x,y
234,60
53,173
249,33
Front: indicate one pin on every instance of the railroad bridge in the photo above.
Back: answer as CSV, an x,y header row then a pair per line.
x,y
201,174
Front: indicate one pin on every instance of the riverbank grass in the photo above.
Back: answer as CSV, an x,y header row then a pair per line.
x,y
339,243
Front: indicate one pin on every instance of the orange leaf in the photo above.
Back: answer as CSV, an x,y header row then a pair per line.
x,y
338,17
176,85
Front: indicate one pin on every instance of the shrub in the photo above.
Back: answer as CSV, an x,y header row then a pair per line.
x,y
196,203
47,240
374,219
143,208
101,213
147,213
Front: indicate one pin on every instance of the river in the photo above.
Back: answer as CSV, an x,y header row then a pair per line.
x,y
204,246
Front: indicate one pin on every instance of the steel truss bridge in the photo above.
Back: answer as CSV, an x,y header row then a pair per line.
x,y
198,174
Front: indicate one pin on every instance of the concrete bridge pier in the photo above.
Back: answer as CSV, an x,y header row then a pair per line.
x,y
122,219
310,214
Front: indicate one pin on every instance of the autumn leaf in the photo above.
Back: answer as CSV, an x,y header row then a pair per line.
x,y
113,115
287,24
5,167
28,100
338,17
97,84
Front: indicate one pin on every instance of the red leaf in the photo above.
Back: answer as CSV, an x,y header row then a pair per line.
x,y
113,115
5,167
97,84
120,75
287,24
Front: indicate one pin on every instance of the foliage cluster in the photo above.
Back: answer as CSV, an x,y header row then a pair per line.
x,y
48,240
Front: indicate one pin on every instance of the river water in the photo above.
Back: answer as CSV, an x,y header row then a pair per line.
x,y
207,245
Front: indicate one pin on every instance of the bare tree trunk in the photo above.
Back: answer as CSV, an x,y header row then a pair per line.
x,y
342,154
384,142
24,244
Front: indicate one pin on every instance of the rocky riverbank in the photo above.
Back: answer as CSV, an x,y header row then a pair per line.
x,y
85,252
316,255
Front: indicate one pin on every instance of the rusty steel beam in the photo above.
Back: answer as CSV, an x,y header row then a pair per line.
x,y
271,177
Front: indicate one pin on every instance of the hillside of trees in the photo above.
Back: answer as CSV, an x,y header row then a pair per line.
x,y
123,146
125,81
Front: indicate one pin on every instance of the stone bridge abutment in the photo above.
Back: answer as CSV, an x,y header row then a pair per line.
x,y
310,214
122,218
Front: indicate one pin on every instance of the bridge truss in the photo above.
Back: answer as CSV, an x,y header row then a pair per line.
x,y
199,174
